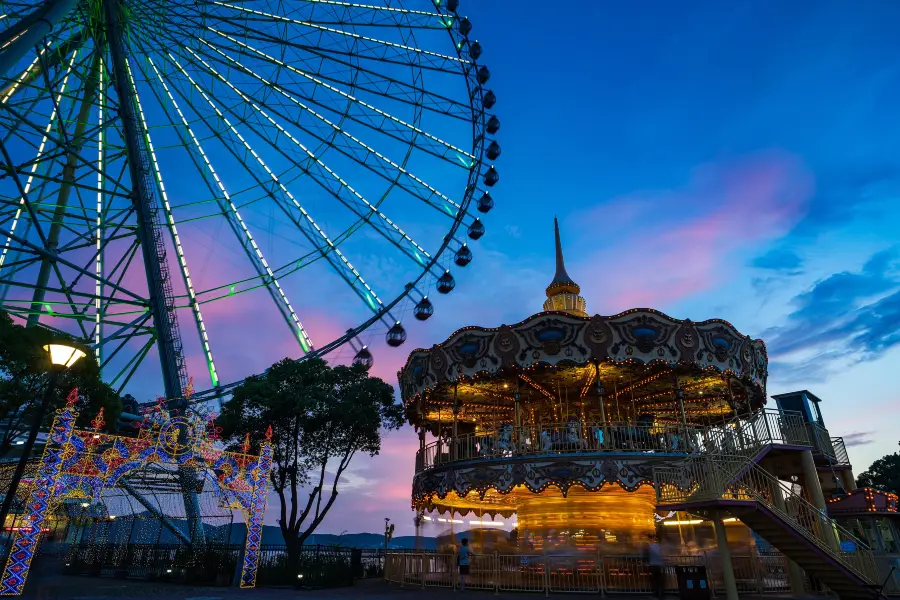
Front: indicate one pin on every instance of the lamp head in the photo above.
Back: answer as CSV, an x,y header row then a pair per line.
x,y
63,355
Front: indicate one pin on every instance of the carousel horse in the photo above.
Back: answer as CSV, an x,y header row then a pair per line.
x,y
573,435
505,443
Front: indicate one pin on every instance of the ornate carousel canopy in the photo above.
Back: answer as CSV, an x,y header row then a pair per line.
x,y
559,364
553,358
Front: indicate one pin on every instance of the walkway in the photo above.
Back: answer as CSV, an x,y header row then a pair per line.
x,y
86,588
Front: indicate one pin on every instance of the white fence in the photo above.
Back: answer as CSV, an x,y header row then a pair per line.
x,y
595,573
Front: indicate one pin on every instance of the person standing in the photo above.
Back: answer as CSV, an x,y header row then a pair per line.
x,y
462,560
655,560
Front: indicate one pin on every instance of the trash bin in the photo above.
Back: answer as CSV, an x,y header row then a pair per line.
x,y
692,583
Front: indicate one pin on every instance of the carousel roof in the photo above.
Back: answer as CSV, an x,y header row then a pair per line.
x,y
635,337
632,349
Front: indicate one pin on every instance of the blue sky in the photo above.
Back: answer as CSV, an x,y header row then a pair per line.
x,y
737,161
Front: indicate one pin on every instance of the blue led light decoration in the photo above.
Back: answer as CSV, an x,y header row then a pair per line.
x,y
82,463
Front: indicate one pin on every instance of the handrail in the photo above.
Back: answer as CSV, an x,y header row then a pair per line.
x,y
735,477
745,435
840,451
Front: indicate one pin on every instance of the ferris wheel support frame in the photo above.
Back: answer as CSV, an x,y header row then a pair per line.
x,y
143,195
28,32
160,296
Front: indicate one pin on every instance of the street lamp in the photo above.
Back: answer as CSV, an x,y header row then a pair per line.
x,y
61,357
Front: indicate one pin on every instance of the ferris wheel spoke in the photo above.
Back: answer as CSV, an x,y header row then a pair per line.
x,y
373,118
372,48
24,204
230,211
343,192
362,15
374,83
64,191
369,157
179,250
307,225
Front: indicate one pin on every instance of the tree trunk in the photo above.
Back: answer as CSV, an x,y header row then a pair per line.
x,y
294,549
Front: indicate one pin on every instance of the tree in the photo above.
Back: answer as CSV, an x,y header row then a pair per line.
x,y
320,417
884,474
25,375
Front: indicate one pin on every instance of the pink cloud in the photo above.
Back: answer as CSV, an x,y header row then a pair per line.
x,y
684,242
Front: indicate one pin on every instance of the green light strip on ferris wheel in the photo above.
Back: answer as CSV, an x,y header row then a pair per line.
x,y
302,336
370,296
179,250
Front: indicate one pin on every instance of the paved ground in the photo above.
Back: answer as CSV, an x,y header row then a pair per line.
x,y
46,584
86,588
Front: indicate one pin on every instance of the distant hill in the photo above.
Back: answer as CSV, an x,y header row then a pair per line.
x,y
147,530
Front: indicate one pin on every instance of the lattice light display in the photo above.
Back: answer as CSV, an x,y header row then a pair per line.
x,y
83,463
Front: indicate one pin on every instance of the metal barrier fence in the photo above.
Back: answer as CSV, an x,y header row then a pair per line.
x,y
755,573
580,573
215,564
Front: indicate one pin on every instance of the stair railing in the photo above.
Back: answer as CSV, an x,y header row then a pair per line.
x,y
716,477
747,435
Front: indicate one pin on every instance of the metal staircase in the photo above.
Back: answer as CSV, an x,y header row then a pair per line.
x,y
729,479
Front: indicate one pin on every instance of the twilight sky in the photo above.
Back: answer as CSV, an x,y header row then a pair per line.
x,y
730,160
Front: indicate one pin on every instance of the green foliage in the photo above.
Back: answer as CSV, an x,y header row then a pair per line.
x,y
883,474
320,416
25,375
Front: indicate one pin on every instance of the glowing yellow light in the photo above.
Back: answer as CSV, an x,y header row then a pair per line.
x,y
63,355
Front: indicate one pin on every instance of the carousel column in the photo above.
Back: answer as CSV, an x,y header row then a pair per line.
x,y
604,432
731,592
454,452
679,397
795,573
519,444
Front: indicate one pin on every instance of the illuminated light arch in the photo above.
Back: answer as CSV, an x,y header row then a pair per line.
x,y
82,463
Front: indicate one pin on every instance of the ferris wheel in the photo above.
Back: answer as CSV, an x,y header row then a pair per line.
x,y
166,163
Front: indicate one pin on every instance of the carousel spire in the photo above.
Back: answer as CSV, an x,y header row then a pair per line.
x,y
561,276
563,292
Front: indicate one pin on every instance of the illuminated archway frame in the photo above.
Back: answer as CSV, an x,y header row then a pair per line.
x,y
79,463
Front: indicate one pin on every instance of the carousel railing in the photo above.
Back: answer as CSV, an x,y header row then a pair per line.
x,y
559,438
744,435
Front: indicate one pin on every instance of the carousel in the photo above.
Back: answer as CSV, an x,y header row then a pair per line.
x,y
559,420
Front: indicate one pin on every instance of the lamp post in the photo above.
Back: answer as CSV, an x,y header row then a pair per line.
x,y
61,357
388,532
